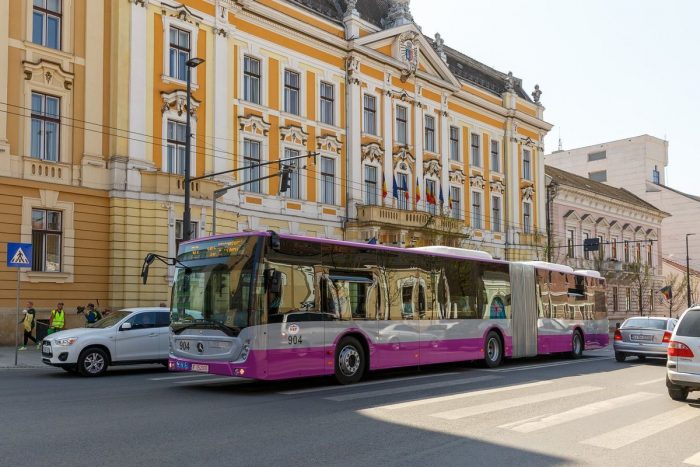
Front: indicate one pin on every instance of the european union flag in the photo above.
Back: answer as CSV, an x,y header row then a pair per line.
x,y
395,189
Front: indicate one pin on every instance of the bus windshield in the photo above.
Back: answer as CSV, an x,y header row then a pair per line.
x,y
215,288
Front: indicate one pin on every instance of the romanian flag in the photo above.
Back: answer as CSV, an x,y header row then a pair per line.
x,y
417,190
430,194
449,200
384,192
667,292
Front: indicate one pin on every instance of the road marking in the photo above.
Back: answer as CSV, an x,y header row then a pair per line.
x,y
653,381
465,412
404,389
538,423
631,433
359,385
546,365
225,379
164,378
693,460
433,400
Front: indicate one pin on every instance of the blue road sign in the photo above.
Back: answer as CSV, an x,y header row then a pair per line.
x,y
19,255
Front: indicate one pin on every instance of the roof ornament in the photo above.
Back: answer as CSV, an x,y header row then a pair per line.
x,y
351,8
440,47
397,14
536,94
510,82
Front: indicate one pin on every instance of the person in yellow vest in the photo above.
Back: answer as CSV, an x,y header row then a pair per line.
x,y
57,320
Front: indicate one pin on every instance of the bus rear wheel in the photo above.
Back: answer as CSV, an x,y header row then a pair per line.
x,y
350,361
576,345
493,350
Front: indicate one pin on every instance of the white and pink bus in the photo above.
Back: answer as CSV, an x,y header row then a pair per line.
x,y
266,306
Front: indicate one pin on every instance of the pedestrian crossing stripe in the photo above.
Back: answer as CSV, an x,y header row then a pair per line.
x,y
19,257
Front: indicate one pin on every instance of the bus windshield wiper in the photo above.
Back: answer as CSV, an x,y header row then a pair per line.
x,y
231,331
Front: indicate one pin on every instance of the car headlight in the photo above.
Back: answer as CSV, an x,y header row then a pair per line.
x,y
66,341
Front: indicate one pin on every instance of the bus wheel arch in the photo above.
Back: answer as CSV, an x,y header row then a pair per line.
x,y
578,343
494,346
351,358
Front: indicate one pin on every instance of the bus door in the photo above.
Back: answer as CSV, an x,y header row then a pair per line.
x,y
524,310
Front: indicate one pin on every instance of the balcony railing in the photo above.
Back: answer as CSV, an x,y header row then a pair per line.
x,y
400,218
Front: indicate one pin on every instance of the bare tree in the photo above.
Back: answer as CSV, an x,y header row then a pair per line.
x,y
640,276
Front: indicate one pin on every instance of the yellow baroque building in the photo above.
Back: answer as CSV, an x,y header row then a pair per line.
x,y
410,142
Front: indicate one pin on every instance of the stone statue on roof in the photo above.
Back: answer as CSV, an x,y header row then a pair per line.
x,y
398,14
440,46
510,82
536,94
351,8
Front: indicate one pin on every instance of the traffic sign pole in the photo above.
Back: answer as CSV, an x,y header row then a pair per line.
x,y
16,327
19,255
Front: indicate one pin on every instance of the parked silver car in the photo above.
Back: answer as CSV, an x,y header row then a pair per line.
x,y
129,336
643,336
683,364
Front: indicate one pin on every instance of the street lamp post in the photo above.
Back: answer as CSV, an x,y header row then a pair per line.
x,y
687,269
186,215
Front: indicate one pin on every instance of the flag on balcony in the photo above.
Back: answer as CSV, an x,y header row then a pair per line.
x,y
417,190
384,192
449,200
395,188
442,199
430,193
404,187
667,292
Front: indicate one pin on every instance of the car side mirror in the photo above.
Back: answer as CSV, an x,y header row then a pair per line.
x,y
125,327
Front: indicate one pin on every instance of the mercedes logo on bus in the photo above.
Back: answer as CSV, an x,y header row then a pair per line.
x,y
200,347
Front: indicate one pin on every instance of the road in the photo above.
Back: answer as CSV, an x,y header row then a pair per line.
x,y
544,411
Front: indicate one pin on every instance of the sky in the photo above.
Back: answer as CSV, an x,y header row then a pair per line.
x,y
607,69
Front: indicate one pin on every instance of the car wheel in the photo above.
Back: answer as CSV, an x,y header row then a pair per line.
x,y
493,350
576,345
677,393
92,362
620,356
349,361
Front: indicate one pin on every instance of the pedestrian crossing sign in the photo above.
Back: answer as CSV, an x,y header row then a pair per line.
x,y
19,255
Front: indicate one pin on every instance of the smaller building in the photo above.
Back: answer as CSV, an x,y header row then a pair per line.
x,y
628,233
676,275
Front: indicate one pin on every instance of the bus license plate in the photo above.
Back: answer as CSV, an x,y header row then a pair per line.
x,y
200,368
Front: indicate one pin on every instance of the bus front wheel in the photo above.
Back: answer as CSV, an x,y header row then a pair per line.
x,y
493,351
349,361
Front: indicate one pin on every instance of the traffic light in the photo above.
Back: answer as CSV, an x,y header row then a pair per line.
x,y
286,181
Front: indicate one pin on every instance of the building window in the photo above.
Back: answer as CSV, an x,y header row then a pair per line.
x,y
371,185
179,53
177,144
649,255
327,180
527,218
570,235
294,190
402,190
586,254
627,251
179,234
655,175
454,143
476,154
456,202
251,79
476,209
291,92
327,101
430,201
495,157
638,253
527,175
628,298
613,248
596,156
251,161
599,176
46,23
496,213
46,240
369,114
46,120
615,298
401,124
429,133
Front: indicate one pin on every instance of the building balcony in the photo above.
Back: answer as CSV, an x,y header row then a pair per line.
x,y
381,216
167,183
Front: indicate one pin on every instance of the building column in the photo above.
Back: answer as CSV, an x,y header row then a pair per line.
x,y
388,144
353,135
541,190
512,198
94,80
4,65
137,82
444,155
222,103
418,145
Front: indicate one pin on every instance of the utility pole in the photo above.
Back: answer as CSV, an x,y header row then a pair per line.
x,y
186,215
687,269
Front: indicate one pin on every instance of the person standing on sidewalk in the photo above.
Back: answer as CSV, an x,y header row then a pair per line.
x,y
29,323
58,319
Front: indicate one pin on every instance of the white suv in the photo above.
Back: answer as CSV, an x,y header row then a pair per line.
x,y
683,364
129,336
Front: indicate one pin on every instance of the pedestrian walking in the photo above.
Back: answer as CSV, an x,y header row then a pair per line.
x,y
91,314
57,321
29,322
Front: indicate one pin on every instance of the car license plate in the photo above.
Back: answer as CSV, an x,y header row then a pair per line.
x,y
200,368
641,337
46,349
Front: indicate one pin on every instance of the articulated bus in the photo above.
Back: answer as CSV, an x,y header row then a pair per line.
x,y
266,306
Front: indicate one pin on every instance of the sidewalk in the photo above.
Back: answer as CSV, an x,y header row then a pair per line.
x,y
30,358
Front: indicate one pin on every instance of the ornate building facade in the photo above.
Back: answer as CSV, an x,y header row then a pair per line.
x,y
413,142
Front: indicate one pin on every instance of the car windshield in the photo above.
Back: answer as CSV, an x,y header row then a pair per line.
x,y
645,323
217,288
111,319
